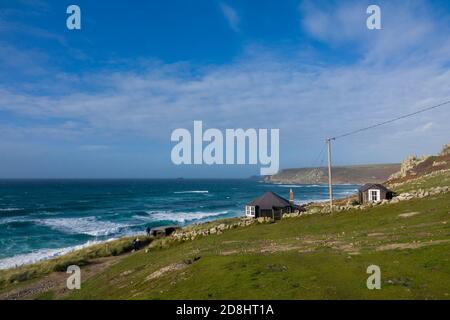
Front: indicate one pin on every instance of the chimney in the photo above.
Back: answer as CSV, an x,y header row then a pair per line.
x,y
291,197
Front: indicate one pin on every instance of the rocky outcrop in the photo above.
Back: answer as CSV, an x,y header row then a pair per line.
x,y
439,163
445,150
407,166
359,174
413,167
421,178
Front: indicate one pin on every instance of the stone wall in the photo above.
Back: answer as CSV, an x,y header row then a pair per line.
x,y
187,234
414,194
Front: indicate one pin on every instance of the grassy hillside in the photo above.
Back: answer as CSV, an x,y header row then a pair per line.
x,y
298,258
359,174
314,256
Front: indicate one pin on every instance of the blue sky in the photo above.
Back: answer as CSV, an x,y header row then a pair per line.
x,y
102,101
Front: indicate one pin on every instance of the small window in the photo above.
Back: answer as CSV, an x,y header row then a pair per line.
x,y
250,211
374,195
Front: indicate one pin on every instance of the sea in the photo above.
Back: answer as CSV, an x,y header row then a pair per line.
x,y
42,219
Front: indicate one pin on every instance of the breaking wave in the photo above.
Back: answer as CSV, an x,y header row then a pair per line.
x,y
192,191
183,217
10,209
89,226
43,254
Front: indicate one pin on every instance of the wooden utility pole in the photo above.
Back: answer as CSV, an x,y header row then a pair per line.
x,y
330,182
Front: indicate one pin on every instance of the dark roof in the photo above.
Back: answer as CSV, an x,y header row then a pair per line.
x,y
269,200
368,186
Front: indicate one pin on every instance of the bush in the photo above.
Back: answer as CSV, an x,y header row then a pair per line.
x,y
355,203
63,265
20,276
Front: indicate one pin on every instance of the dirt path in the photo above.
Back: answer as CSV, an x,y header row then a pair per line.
x,y
56,281
410,245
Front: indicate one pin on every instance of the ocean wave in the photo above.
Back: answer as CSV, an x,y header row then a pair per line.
x,y
89,226
303,185
301,202
43,254
10,209
183,217
345,193
290,186
192,191
14,224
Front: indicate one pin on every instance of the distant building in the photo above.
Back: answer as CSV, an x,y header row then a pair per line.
x,y
271,205
373,192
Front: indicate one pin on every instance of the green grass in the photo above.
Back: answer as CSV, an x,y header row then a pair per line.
x,y
319,256
311,258
27,274
425,183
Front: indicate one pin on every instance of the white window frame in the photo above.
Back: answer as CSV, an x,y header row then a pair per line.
x,y
377,192
250,211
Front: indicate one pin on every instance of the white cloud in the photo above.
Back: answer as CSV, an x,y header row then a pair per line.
x,y
307,101
316,101
335,23
410,29
231,16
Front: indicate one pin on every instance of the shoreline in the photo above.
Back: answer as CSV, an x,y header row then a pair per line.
x,y
47,254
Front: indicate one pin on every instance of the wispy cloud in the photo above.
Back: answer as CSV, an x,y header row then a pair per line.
x,y
306,102
409,33
23,29
231,16
264,90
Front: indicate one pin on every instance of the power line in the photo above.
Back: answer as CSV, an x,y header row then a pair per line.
x,y
389,121
330,182
323,159
320,154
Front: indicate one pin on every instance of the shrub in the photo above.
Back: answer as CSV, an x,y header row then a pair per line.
x,y
62,266
19,277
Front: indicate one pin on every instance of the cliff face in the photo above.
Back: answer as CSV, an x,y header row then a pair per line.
x,y
341,175
413,167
